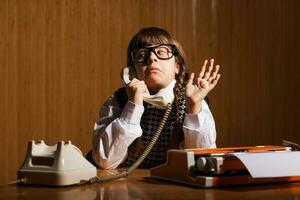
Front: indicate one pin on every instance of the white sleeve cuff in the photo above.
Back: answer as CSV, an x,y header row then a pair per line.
x,y
199,129
195,121
132,113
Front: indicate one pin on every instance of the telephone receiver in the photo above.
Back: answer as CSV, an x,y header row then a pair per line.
x,y
161,99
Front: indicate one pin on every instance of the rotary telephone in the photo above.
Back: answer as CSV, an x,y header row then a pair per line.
x,y
61,164
160,99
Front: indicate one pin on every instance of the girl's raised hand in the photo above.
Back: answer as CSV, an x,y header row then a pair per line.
x,y
198,87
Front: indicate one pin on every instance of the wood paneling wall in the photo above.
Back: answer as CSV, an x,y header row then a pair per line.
x,y
60,60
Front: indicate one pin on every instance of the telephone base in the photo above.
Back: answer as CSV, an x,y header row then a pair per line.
x,y
59,165
55,178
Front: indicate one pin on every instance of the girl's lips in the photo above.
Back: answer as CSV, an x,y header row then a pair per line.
x,y
152,69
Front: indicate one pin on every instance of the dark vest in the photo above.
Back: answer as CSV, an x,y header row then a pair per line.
x,y
170,136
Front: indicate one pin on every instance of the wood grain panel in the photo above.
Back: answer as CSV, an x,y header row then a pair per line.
x,y
61,59
4,84
255,81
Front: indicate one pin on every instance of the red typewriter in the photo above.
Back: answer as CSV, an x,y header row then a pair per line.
x,y
230,166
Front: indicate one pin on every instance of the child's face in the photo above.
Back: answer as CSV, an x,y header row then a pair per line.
x,y
157,73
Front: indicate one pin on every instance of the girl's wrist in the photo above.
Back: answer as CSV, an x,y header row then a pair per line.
x,y
138,99
193,109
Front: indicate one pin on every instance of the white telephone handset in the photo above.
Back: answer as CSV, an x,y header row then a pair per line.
x,y
160,99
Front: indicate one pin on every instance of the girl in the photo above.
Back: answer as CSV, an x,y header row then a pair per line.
x,y
127,122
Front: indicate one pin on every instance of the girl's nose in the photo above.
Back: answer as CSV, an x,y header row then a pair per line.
x,y
152,57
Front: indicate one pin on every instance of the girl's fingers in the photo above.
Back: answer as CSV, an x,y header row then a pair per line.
x,y
208,77
215,81
207,74
141,85
214,74
201,73
191,79
212,62
198,81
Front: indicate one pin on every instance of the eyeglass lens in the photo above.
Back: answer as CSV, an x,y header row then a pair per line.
x,y
163,52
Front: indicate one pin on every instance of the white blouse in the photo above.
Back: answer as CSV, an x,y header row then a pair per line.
x,y
115,130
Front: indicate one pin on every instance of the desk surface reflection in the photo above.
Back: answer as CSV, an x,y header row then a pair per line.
x,y
139,186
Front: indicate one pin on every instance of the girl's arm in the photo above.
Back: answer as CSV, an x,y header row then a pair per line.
x,y
199,129
199,126
114,131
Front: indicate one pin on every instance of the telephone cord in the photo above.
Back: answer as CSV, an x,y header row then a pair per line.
x,y
135,165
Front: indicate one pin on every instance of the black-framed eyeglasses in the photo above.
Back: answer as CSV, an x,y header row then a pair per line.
x,y
162,51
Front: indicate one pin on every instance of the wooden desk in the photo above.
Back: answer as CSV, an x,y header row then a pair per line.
x,y
138,186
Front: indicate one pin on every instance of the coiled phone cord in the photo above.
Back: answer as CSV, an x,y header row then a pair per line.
x,y
125,173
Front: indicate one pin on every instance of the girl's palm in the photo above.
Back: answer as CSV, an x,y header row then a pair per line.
x,y
198,87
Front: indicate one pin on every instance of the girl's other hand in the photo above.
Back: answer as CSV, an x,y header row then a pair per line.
x,y
198,87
